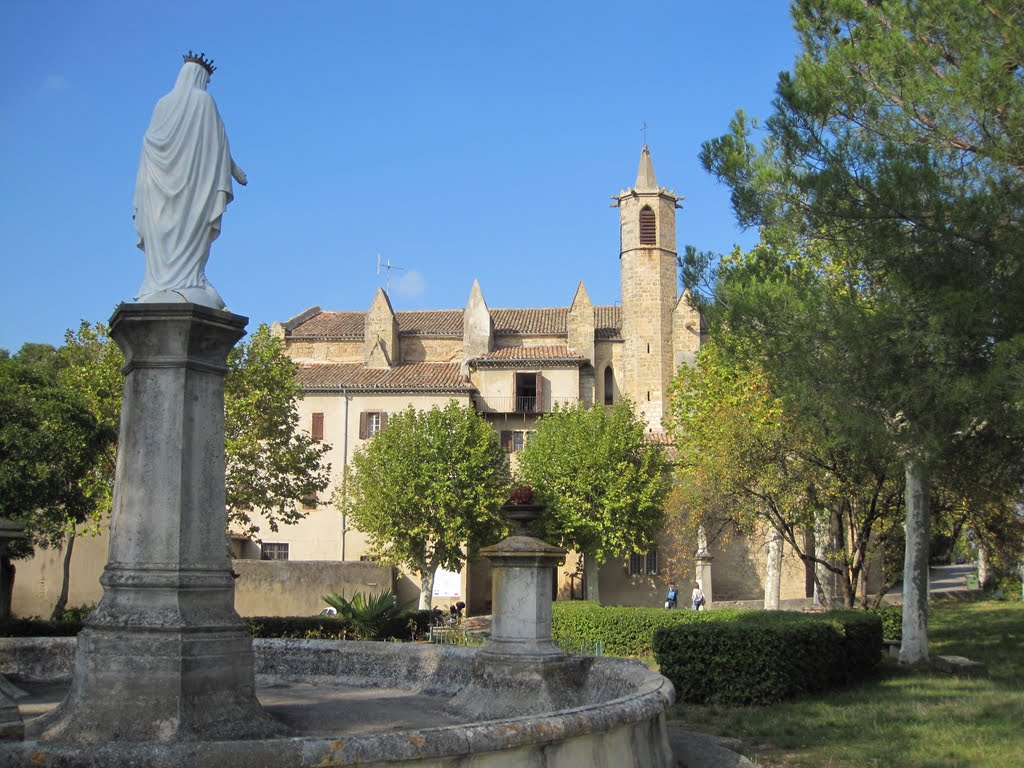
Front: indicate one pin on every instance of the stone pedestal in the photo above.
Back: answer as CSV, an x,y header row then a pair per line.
x,y
164,657
703,576
522,670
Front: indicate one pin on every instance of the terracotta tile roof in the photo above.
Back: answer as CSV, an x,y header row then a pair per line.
x,y
545,352
331,325
445,322
530,321
414,376
549,321
607,322
349,325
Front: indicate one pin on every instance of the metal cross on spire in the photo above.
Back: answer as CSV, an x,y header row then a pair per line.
x,y
643,127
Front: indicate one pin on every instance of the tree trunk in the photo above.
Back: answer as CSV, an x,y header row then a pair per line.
x,y
65,586
914,647
983,566
7,570
427,586
824,584
590,577
773,572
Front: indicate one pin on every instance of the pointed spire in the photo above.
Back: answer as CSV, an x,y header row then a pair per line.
x,y
477,327
645,181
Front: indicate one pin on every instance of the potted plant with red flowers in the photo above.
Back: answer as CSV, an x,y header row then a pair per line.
x,y
521,506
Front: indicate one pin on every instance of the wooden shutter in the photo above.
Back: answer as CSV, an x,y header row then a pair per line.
x,y
318,426
648,227
539,406
506,440
383,419
362,426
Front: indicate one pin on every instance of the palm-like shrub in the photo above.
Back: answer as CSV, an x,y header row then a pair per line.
x,y
368,614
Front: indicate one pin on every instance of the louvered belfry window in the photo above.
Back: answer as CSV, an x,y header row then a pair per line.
x,y
648,229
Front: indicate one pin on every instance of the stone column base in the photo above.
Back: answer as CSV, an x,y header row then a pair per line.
x,y
150,684
510,686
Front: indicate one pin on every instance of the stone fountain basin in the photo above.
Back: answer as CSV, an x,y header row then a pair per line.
x,y
374,705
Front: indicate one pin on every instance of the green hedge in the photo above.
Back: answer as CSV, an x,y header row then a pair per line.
x,y
38,628
761,657
301,627
892,621
409,626
619,630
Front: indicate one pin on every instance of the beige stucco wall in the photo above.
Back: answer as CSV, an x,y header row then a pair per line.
x,y
498,385
37,581
295,588
738,570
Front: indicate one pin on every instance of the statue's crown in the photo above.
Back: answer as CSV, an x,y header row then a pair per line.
x,y
200,59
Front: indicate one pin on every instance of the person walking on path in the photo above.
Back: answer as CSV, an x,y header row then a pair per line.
x,y
672,599
697,597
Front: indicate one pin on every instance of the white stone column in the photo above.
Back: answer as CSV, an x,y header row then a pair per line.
x,y
702,567
164,657
773,572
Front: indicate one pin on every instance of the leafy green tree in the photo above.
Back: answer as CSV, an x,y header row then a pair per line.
x,y
271,463
896,142
427,490
49,444
90,366
603,484
749,461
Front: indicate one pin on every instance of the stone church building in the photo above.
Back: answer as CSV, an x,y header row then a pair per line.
x,y
511,365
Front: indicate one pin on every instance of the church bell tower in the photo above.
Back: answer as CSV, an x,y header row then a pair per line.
x,y
647,227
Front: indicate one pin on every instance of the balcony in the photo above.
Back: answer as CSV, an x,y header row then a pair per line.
x,y
525,404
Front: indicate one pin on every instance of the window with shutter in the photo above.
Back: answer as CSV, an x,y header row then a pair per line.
x,y
506,440
648,227
318,426
370,423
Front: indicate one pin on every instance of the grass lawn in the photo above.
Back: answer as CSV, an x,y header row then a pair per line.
x,y
911,718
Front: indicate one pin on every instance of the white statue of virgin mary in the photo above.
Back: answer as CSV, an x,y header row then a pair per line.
x,y
182,189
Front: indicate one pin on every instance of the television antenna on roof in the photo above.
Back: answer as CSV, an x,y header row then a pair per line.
x,y
387,267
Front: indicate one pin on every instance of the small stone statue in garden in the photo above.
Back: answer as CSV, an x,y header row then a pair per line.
x,y
182,189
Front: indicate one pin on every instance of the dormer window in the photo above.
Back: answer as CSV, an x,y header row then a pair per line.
x,y
648,228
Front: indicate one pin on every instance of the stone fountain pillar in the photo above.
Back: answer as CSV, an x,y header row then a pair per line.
x,y
522,670
164,657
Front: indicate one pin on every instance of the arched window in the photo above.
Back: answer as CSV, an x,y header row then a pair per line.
x,y
609,386
648,230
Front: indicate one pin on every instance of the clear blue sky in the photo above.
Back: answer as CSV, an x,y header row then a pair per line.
x,y
460,140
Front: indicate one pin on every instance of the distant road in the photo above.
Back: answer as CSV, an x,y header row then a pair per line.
x,y
943,579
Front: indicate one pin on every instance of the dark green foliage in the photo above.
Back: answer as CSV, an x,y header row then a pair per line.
x,y
621,631
368,614
761,657
409,625
39,628
892,621
301,627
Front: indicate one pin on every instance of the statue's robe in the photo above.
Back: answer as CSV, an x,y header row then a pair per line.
x,y
182,189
